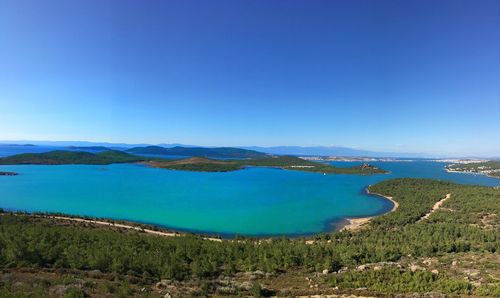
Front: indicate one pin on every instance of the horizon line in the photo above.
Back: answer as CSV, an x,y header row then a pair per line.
x,y
357,148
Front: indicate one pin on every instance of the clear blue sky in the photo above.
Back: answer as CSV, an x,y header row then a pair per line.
x,y
411,76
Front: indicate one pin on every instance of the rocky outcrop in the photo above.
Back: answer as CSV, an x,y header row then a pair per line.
x,y
8,174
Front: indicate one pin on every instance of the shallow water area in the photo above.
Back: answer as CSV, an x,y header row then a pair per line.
x,y
254,201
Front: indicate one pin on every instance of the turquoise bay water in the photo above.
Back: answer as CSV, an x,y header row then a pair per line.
x,y
254,201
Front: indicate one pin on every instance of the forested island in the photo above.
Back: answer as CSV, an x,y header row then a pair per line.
x,y
451,249
490,168
61,157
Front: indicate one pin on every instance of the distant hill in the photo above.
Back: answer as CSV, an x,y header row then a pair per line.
x,y
63,144
60,157
279,150
220,152
94,148
21,145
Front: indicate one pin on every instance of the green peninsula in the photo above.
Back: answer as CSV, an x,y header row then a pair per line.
x,y
198,164
282,162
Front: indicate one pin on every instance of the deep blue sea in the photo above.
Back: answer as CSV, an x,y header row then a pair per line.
x,y
253,201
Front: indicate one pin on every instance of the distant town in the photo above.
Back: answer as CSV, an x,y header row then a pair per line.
x,y
489,168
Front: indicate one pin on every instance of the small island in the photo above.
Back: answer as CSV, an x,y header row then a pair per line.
x,y
62,157
8,174
199,164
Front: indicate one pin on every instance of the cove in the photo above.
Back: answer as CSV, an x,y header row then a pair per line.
x,y
253,201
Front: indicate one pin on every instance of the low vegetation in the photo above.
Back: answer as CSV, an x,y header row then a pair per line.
x,y
453,252
197,164
282,162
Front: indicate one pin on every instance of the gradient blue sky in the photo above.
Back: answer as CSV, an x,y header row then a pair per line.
x,y
410,76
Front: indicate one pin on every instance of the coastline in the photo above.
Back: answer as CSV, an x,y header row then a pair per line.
x,y
356,223
127,226
113,223
347,223
488,175
471,173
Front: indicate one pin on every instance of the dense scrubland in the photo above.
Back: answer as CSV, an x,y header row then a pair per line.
x,y
453,252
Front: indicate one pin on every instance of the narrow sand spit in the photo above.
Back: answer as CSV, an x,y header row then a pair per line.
x,y
117,225
436,207
355,224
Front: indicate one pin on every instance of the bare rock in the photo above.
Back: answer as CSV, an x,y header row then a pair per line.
x,y
343,269
415,268
246,285
427,262
59,290
163,284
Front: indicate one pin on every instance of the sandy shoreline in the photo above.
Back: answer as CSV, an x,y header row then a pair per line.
x,y
353,223
356,223
123,226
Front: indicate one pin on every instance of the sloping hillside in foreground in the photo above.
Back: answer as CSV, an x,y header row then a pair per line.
x,y
453,251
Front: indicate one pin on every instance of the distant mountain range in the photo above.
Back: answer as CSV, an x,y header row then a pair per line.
x,y
219,152
93,148
85,144
277,150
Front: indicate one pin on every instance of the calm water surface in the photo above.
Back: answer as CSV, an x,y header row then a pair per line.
x,y
254,201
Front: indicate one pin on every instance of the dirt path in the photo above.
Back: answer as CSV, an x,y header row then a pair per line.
x,y
436,207
118,225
